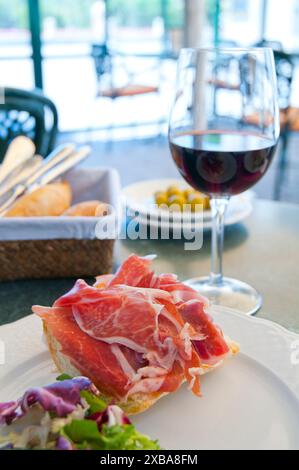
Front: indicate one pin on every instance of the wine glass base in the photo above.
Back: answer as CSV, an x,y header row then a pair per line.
x,y
230,293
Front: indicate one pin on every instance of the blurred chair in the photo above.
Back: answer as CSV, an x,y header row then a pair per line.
x,y
275,45
221,75
103,60
31,114
221,78
289,115
285,71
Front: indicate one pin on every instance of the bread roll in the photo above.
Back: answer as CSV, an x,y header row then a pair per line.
x,y
50,200
87,209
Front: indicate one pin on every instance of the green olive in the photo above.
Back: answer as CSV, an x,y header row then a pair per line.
x,y
174,191
161,198
188,192
176,202
207,205
197,202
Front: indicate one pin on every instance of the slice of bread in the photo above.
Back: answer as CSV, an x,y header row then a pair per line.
x,y
136,403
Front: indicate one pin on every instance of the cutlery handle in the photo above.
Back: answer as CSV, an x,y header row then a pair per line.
x,y
55,157
19,175
66,165
18,191
68,162
19,150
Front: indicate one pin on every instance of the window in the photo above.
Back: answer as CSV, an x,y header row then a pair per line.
x,y
283,23
241,21
138,31
15,48
68,30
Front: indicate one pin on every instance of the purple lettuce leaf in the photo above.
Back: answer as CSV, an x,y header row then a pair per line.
x,y
63,443
60,398
8,411
111,416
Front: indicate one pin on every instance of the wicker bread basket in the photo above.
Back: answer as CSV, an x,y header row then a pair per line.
x,y
44,248
45,259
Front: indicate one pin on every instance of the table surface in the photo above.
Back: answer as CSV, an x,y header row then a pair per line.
x,y
263,251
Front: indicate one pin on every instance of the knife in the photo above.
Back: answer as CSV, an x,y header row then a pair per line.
x,y
19,151
59,154
44,175
24,171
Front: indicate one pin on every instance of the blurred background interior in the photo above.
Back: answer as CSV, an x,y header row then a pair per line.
x,y
108,70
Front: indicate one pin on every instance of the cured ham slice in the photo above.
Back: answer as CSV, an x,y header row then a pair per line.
x,y
164,384
116,315
103,281
135,271
213,347
179,291
93,358
134,333
144,320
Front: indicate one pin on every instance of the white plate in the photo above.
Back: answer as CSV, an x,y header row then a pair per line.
x,y
251,402
139,199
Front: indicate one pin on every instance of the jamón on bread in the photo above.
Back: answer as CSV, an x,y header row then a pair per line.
x,y
135,404
138,336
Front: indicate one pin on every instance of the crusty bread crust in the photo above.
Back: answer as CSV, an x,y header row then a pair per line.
x,y
136,403
49,200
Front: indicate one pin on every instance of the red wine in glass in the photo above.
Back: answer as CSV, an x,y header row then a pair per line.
x,y
222,141
222,162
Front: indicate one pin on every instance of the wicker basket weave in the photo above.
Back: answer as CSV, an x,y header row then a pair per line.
x,y
46,259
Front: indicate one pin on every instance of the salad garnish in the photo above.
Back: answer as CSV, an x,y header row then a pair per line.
x,y
68,415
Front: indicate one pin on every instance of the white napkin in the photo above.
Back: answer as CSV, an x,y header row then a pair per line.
x,y
87,184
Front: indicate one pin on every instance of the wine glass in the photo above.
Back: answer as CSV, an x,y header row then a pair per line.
x,y
223,132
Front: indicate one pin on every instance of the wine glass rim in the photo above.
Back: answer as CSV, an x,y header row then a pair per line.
x,y
226,49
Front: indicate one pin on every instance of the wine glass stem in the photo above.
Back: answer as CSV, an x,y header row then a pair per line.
x,y
219,206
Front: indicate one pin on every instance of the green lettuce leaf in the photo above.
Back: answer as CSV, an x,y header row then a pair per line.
x,y
85,434
95,403
126,437
63,377
82,430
